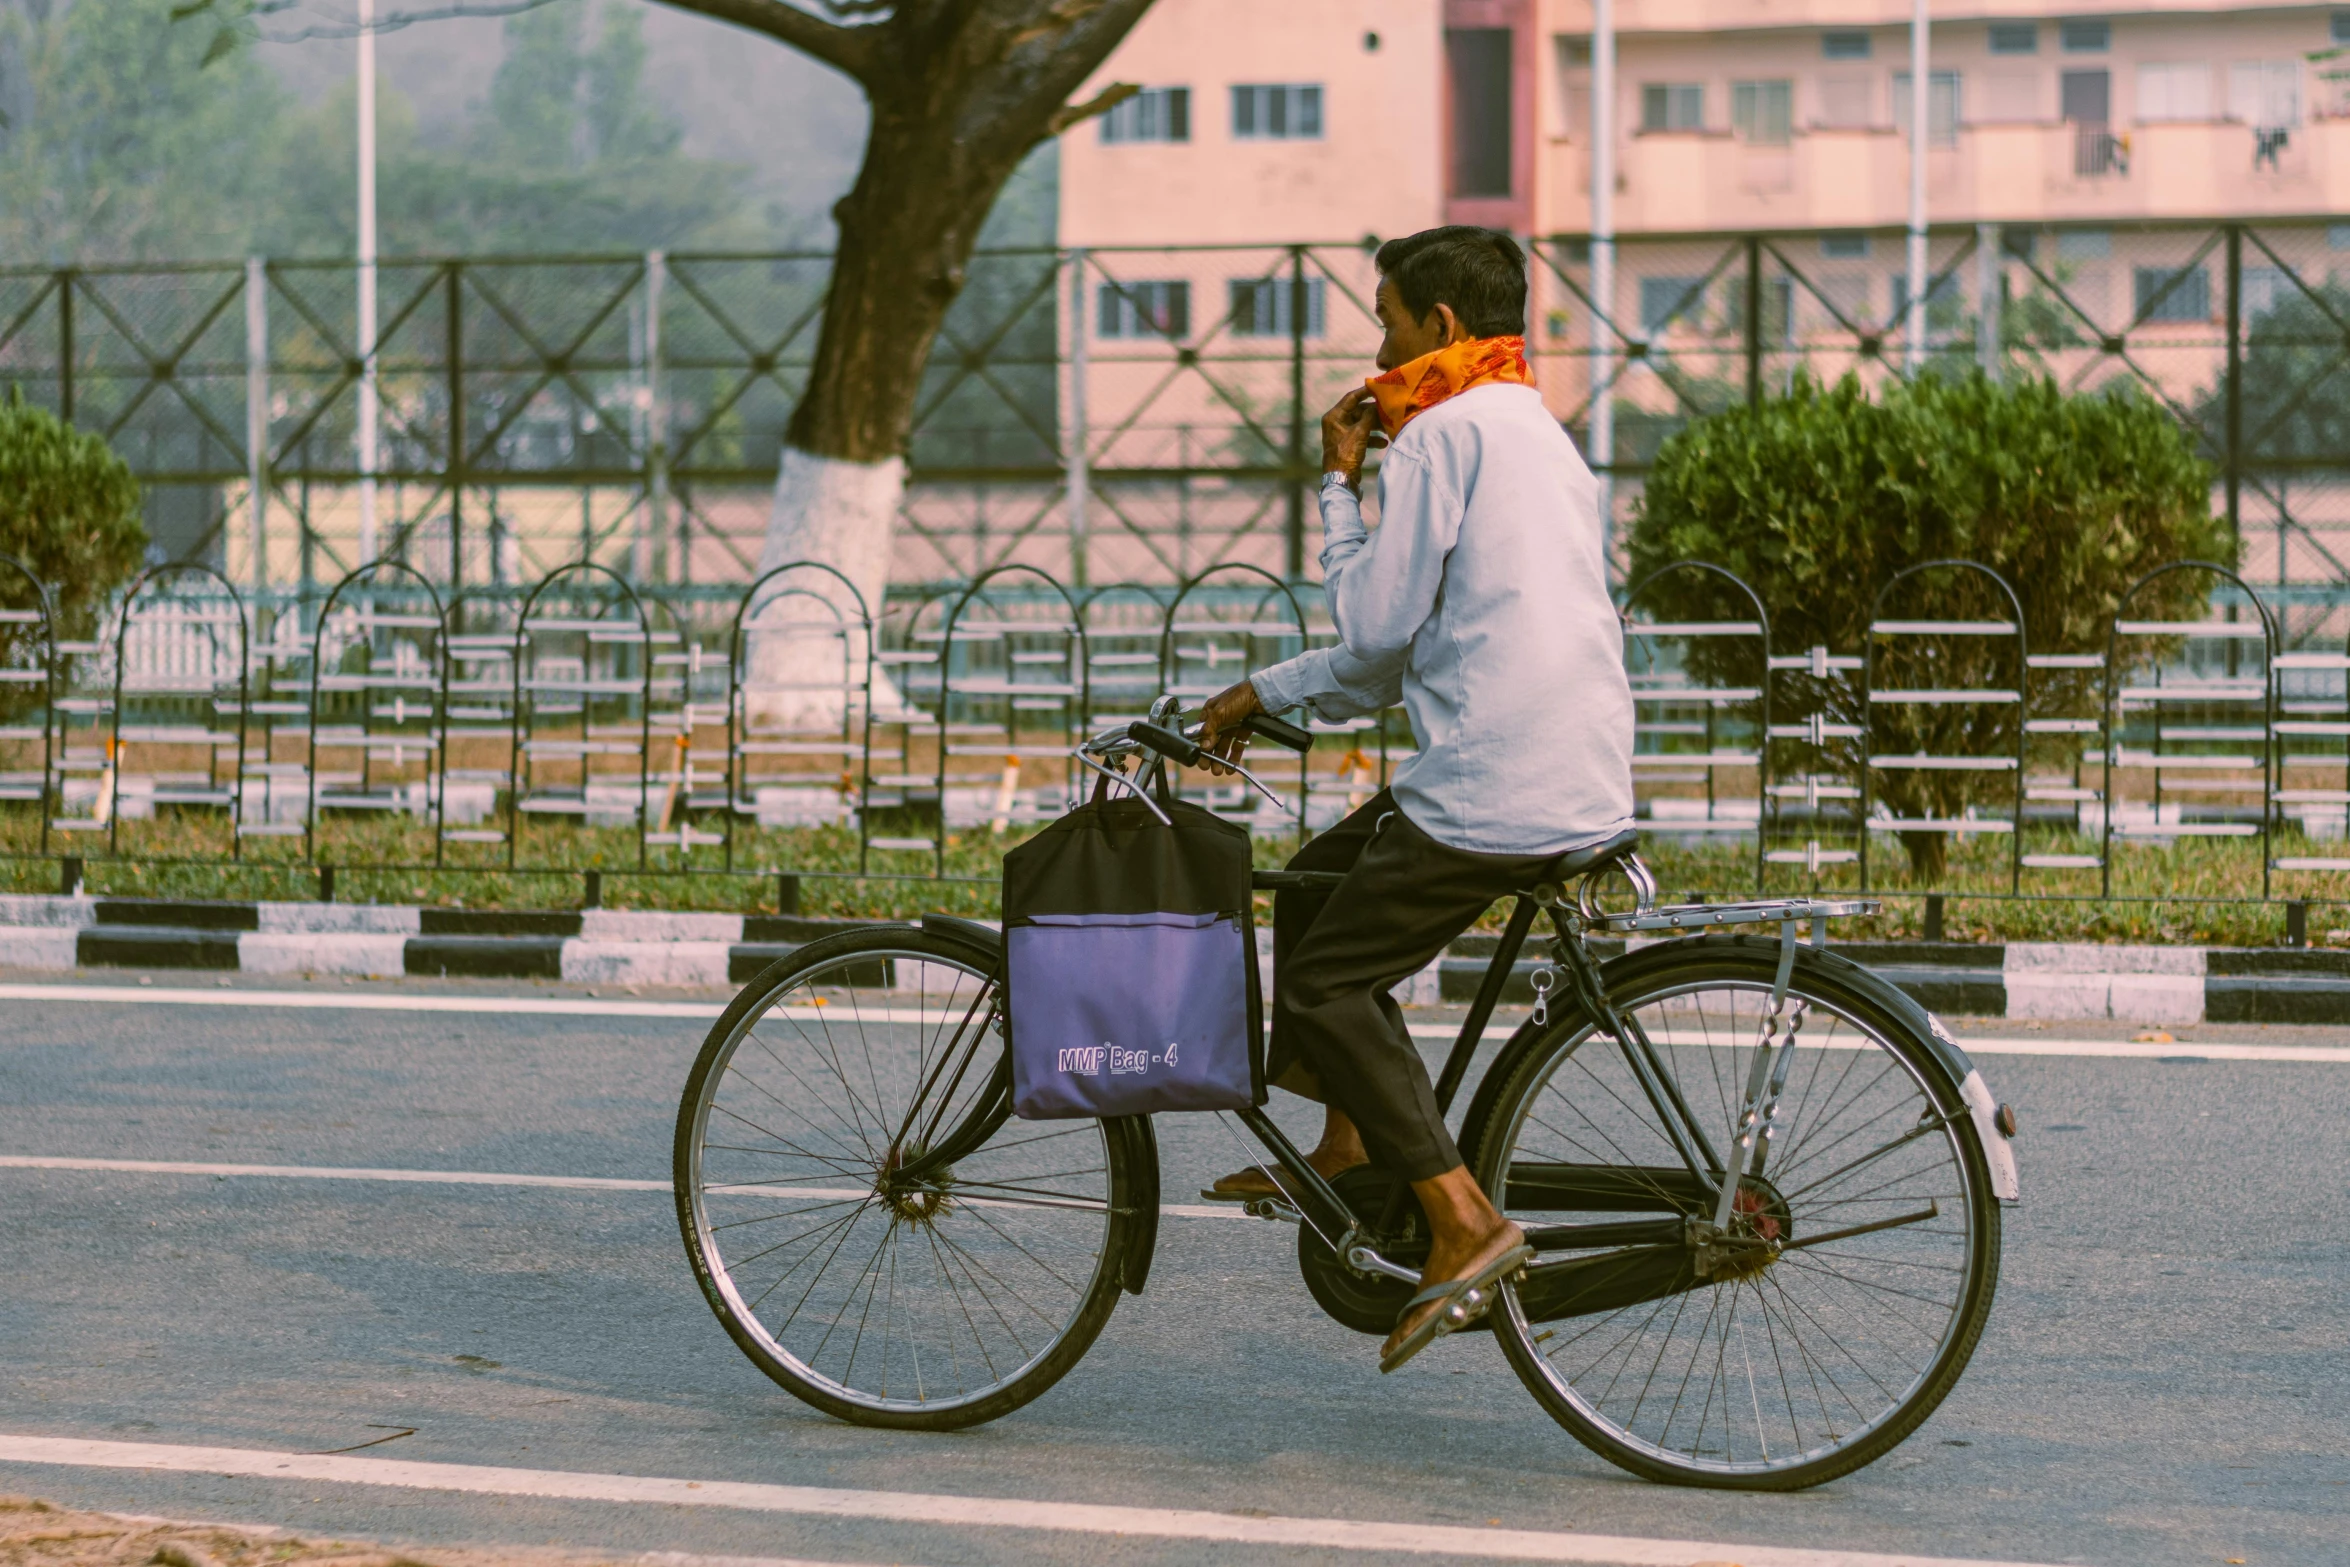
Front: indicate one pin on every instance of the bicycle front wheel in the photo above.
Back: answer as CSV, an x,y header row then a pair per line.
x,y
1859,1268
874,1230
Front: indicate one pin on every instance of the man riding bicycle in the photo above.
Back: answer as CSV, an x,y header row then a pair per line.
x,y
1481,604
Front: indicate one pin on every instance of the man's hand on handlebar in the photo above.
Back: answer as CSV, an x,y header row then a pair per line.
x,y
1221,734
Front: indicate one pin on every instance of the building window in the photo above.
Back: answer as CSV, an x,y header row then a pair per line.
x,y
2265,94
2338,27
1574,79
2085,97
1153,114
1844,46
1479,60
2085,37
1260,306
1763,113
2020,242
1778,310
1672,106
2015,37
2165,294
2180,91
1844,247
1143,309
2265,288
2084,244
1666,300
1277,113
1942,301
1941,107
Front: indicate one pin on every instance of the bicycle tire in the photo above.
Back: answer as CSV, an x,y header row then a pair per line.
x,y
985,1229
1609,1419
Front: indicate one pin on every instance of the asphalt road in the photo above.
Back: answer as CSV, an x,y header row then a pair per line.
x,y
2164,1379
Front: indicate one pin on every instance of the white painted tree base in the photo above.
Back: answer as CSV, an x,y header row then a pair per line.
x,y
837,513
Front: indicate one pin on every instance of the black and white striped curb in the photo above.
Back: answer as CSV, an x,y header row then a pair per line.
x,y
2044,981
2057,981
585,946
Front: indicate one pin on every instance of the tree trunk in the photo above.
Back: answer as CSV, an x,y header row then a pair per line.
x,y
961,92
904,242
1929,857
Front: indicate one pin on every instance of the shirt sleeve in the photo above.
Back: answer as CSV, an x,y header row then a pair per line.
x,y
1335,682
1332,682
1383,587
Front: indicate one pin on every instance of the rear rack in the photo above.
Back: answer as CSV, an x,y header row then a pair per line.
x,y
1702,916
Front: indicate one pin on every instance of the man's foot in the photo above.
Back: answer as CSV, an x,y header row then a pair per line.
x,y
1486,1260
1252,1183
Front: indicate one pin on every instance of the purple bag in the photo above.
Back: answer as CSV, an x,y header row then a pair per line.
x,y
1128,1014
1130,968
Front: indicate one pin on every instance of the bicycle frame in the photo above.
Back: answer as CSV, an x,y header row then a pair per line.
x,y
1701,1188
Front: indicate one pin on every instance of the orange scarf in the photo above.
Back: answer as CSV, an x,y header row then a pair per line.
x,y
1413,389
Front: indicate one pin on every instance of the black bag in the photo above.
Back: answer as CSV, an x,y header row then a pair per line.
x,y
1130,963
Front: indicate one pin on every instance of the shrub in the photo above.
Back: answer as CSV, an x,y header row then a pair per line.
x,y
1818,498
69,509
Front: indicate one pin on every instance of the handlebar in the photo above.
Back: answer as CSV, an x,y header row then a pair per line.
x,y
1280,731
1166,742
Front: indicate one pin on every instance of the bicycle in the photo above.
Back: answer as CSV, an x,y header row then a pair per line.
x,y
884,1240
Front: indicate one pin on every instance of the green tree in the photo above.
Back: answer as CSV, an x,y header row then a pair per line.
x,y
69,509
2295,385
569,153
123,137
1819,498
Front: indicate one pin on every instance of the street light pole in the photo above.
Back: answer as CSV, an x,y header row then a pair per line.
x,y
1921,93
1603,265
369,408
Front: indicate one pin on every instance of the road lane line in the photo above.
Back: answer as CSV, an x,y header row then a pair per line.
x,y
1345,1534
317,1172
570,1006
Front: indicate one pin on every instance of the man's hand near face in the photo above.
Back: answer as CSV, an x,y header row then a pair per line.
x,y
1221,734
1347,430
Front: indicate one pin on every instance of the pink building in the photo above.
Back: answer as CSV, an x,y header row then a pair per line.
x,y
1730,114
2082,155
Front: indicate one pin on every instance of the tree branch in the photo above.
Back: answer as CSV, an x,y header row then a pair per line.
x,y
848,49
1078,113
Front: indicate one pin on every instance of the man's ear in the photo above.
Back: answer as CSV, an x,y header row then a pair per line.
x,y
1453,331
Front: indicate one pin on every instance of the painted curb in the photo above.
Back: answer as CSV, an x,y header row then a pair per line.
x,y
2039,981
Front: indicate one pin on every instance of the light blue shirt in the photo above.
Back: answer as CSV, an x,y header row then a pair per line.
x,y
1480,604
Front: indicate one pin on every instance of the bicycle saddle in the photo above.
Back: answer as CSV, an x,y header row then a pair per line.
x,y
1583,861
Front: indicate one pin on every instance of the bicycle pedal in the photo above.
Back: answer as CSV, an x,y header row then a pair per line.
x,y
1270,1208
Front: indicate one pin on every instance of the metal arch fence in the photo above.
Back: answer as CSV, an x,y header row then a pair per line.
x,y
1109,414
587,728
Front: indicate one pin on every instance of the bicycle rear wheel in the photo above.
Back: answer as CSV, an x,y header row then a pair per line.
x,y
874,1230
1866,1255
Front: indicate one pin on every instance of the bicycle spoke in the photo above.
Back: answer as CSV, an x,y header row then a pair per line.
x,y
1789,1356
885,1291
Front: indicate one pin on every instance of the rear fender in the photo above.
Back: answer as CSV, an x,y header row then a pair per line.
x,y
1142,1164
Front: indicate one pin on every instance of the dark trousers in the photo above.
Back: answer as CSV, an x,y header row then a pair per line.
x,y
1336,955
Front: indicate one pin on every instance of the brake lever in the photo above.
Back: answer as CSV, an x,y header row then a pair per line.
x,y
1130,785
1194,731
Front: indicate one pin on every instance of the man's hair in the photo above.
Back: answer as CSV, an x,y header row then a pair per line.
x,y
1481,273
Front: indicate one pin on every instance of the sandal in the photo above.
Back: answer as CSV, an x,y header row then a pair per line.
x,y
1254,1183
1459,1302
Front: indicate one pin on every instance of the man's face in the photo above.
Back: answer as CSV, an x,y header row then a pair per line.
x,y
1407,339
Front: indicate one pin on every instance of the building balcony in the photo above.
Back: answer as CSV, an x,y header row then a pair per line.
x,y
2021,173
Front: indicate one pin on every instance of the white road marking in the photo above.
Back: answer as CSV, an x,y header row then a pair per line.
x,y
315,1172
569,1006
360,1001
1341,1534
2129,1049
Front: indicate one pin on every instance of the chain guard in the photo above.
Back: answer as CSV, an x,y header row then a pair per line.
x,y
1367,1305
